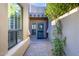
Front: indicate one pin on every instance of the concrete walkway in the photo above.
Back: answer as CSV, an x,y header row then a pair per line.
x,y
39,47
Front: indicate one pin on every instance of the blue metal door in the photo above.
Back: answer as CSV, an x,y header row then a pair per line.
x,y
40,31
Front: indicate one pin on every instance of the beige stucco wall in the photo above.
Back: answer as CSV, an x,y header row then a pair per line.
x,y
51,28
21,47
71,31
25,20
3,28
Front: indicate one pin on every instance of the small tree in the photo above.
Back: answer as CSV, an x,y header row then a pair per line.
x,y
54,10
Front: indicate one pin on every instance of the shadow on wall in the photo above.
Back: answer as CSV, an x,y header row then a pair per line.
x,y
51,28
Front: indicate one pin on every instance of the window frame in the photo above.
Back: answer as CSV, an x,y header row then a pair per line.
x,y
16,30
33,28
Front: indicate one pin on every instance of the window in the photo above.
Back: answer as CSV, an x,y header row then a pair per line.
x,y
33,28
15,24
41,26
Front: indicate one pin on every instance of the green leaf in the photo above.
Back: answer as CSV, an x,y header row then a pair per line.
x,y
54,10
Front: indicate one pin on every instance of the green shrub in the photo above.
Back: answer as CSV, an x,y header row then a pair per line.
x,y
58,49
59,27
58,43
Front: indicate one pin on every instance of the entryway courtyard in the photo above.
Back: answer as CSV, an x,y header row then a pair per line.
x,y
38,25
39,47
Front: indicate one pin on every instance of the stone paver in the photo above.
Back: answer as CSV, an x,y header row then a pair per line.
x,y
39,47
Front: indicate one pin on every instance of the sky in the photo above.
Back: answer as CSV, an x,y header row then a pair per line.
x,y
39,4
